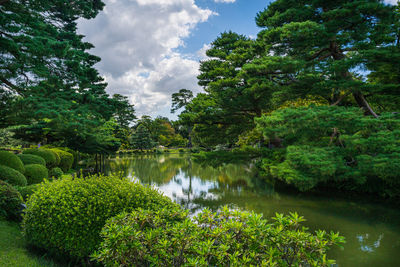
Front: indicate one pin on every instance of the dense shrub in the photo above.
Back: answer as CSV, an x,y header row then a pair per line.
x,y
12,176
28,190
224,238
31,159
56,173
333,146
35,173
10,202
66,159
11,160
66,216
47,155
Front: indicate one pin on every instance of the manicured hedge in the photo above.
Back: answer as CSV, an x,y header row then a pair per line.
x,y
66,159
31,159
35,173
48,155
223,238
55,173
66,216
10,202
11,160
12,176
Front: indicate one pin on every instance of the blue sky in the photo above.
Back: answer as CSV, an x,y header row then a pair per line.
x,y
152,48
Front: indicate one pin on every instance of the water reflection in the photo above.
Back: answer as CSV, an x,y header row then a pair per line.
x,y
372,231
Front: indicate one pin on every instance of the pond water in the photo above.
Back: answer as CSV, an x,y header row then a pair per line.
x,y
372,231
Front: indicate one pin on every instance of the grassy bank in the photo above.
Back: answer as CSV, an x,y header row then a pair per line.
x,y
13,251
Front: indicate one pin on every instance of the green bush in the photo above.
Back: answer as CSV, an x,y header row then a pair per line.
x,y
224,238
66,216
48,155
11,160
28,190
31,159
35,173
56,173
66,159
12,176
10,202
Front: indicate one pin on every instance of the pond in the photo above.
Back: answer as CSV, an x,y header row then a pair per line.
x,y
372,231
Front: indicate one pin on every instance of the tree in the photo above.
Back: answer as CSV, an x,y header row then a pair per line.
x,y
141,138
181,99
329,44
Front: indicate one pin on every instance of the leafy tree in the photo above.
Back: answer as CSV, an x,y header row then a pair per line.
x,y
323,47
337,146
181,99
141,138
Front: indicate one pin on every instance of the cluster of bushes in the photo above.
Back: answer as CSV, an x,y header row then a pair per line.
x,y
24,171
333,146
120,223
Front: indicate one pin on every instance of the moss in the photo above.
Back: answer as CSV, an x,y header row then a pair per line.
x,y
11,160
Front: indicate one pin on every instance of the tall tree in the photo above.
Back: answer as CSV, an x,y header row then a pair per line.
x,y
181,99
141,138
330,44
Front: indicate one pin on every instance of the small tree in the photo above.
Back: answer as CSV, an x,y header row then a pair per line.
x,y
141,138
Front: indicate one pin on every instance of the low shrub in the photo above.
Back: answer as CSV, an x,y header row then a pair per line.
x,y
181,150
48,155
28,190
56,173
31,159
12,176
10,202
35,173
65,216
224,238
66,159
11,160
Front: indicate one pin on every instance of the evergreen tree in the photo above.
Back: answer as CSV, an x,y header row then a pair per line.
x,y
141,138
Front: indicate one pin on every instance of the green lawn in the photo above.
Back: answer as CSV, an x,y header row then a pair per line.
x,y
13,251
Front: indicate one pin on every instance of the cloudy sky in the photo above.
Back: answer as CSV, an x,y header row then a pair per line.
x,y
152,48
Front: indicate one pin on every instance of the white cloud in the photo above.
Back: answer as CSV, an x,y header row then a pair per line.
x,y
392,2
136,40
224,1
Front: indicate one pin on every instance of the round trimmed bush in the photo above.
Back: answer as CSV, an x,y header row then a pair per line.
x,y
48,155
35,173
11,160
10,202
66,159
31,159
66,216
56,173
12,176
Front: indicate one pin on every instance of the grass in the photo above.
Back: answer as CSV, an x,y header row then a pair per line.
x,y
13,251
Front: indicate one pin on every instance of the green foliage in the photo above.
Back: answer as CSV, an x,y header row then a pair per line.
x,y
141,138
56,173
223,238
11,160
10,202
31,159
66,159
49,156
27,191
334,145
66,216
12,176
217,158
35,173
